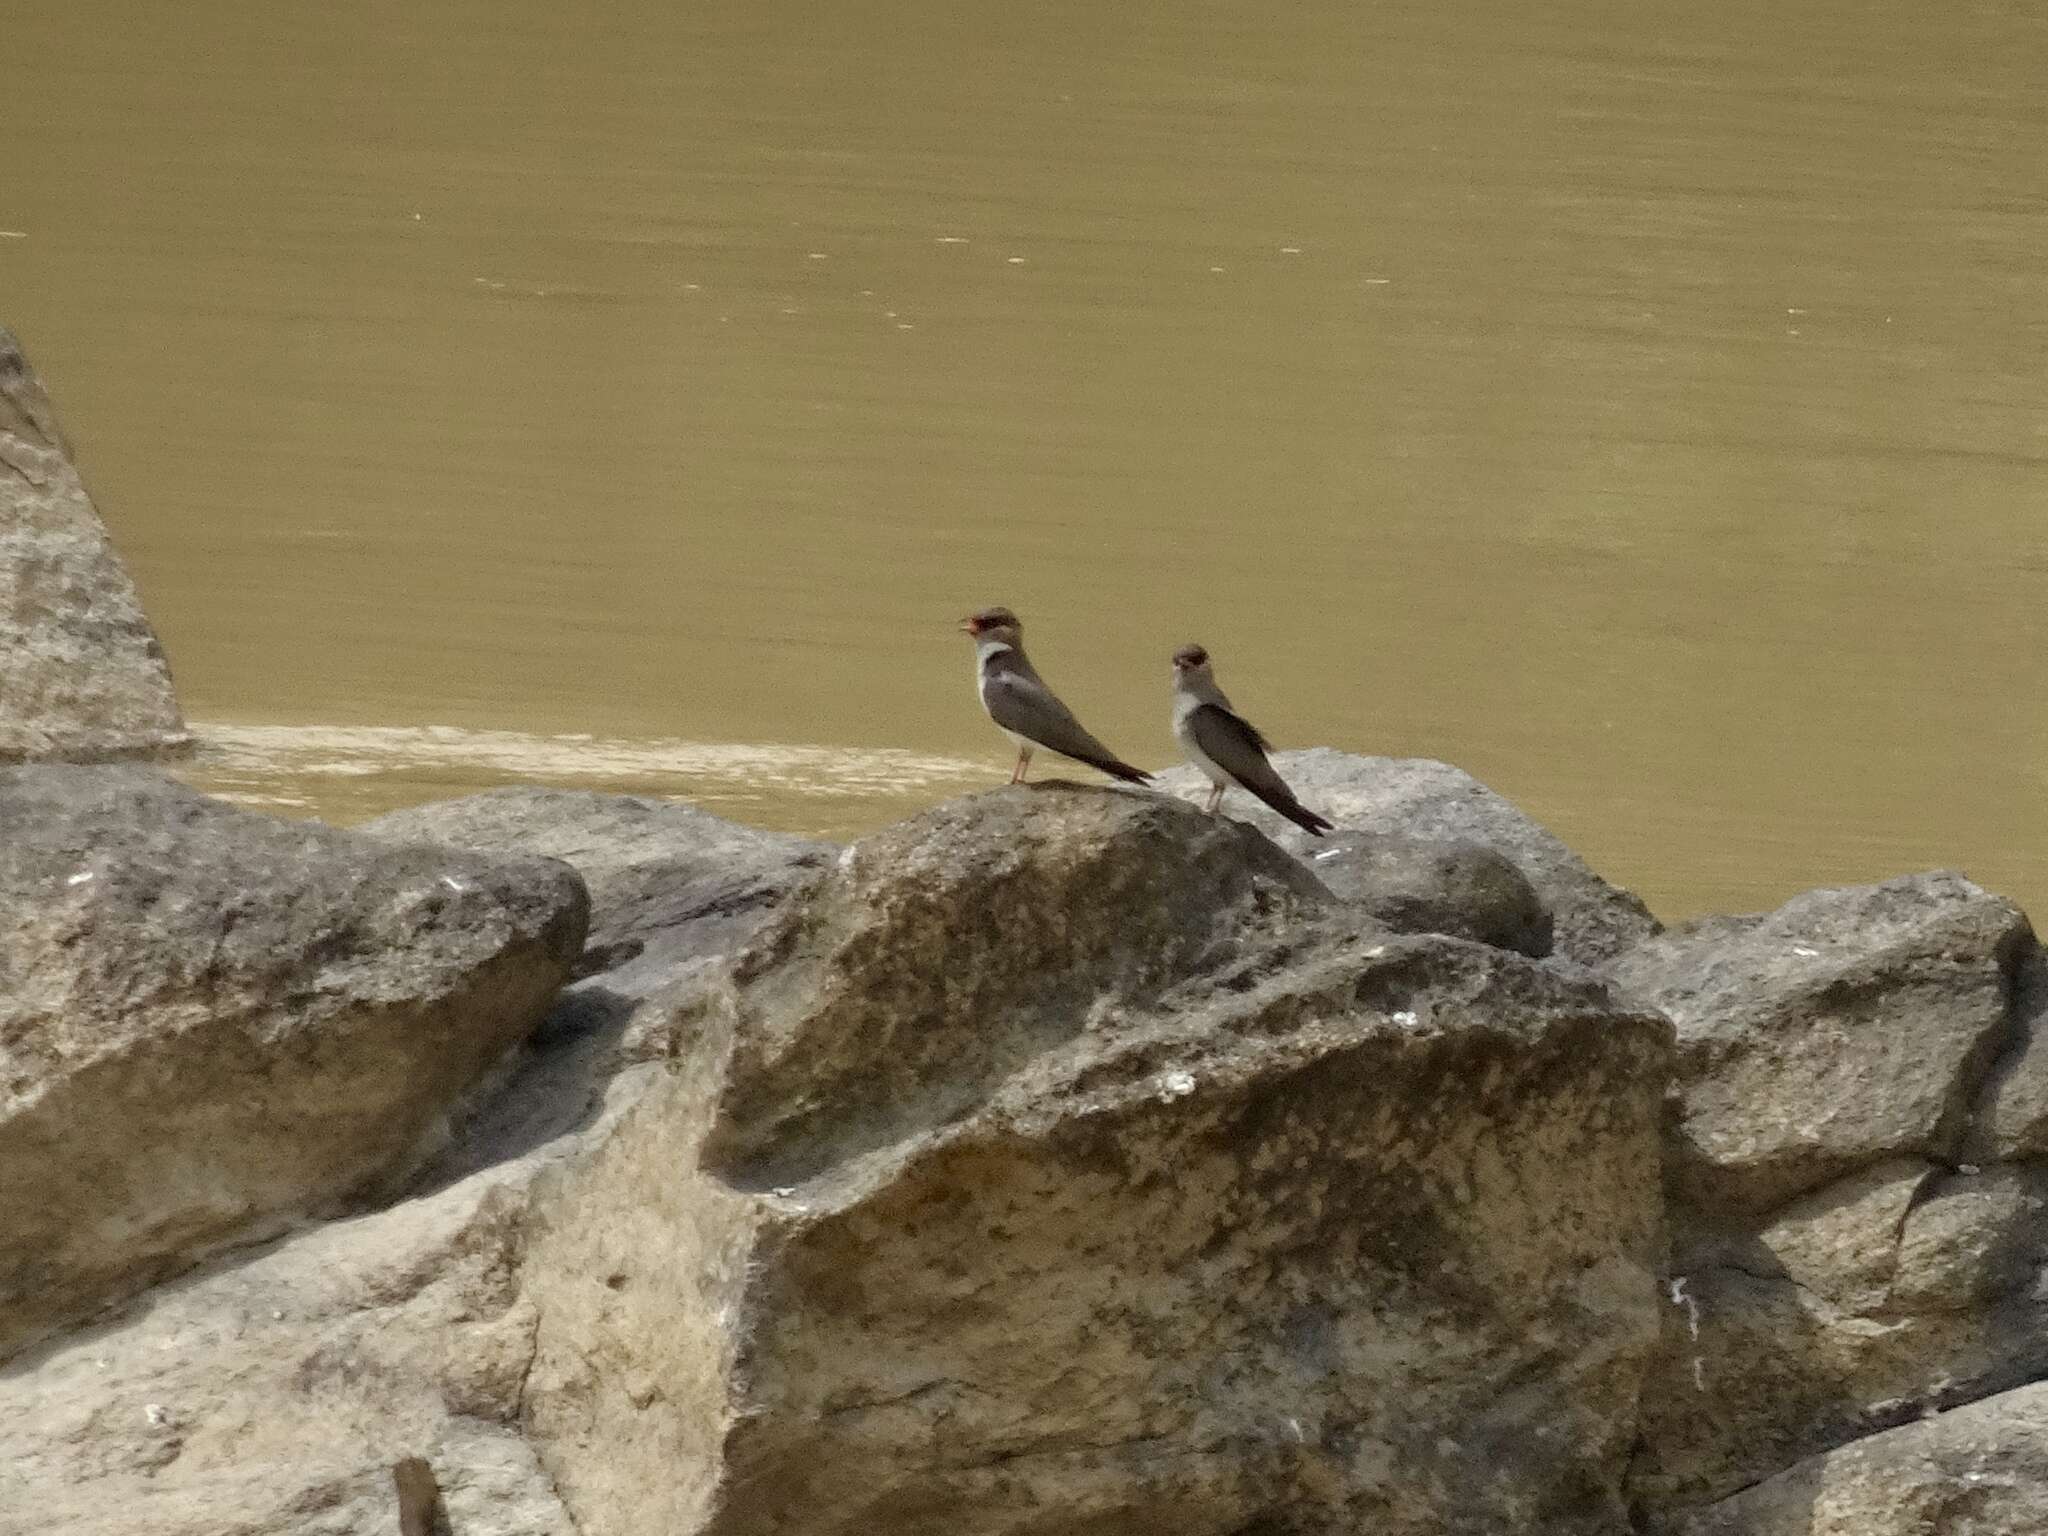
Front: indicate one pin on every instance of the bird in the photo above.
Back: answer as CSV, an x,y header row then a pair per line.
x,y
1226,746
1028,712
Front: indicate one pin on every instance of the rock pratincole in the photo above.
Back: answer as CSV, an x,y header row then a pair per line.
x,y
1028,712
1226,746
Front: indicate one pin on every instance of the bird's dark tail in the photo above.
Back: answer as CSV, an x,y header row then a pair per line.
x,y
1296,812
1120,770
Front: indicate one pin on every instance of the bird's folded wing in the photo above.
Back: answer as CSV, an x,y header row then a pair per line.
x,y
1230,742
1019,702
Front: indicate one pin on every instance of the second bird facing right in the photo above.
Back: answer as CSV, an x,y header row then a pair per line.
x,y
1225,745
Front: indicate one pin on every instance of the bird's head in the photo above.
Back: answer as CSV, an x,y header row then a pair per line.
x,y
994,624
1191,662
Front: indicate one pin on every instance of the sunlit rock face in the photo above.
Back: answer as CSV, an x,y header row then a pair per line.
x,y
1582,917
1859,1220
1062,1159
1073,1161
82,677
213,1023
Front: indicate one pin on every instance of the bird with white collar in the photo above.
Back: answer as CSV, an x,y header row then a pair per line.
x,y
1226,746
1028,712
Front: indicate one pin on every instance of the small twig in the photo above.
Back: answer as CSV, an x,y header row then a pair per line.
x,y
419,1499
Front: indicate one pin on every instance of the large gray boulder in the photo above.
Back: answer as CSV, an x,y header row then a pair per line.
x,y
343,1349
212,1022
1447,885
1062,1160
1838,1264
272,1393
1978,1471
1848,1026
674,893
1068,1160
1416,798
670,885
82,676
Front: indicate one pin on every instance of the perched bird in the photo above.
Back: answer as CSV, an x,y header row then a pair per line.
x,y
1225,745
1017,699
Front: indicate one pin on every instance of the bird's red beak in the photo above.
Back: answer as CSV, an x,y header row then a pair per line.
x,y
969,627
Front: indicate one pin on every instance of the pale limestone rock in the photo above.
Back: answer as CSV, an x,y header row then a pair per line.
x,y
1981,1470
213,1022
1848,1026
271,1395
1067,1172
1059,1161
1840,1268
82,676
1592,921
2011,1120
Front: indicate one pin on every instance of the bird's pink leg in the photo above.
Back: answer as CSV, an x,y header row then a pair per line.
x,y
1215,798
1023,762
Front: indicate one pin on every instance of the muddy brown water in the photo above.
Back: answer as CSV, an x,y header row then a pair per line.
x,y
1642,406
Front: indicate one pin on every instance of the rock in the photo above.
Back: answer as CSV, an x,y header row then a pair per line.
x,y
1890,1294
212,1022
1849,1026
1414,797
271,1394
82,676
669,884
674,891
1079,903
1978,1471
1076,1166
1424,885
292,1380
1132,1185
2011,1117
1836,1267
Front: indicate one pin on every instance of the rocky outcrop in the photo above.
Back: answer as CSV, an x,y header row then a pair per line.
x,y
1414,798
1837,1264
276,1391
212,1023
82,676
1979,1471
674,893
670,885
2010,1121
1433,885
272,1394
1058,1168
1060,1160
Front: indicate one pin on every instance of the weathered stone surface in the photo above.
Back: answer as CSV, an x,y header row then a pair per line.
x,y
1414,797
669,884
1981,1470
1836,1267
290,1381
81,673
1891,1293
1434,885
1060,1161
959,945
1848,1026
2011,1117
674,892
271,1395
211,1021
1070,1173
